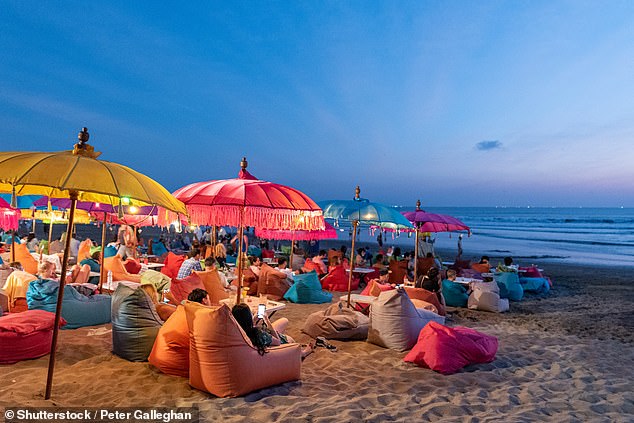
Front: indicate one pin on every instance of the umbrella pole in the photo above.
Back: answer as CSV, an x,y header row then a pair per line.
x,y
13,235
60,295
102,270
416,258
354,238
290,259
213,241
50,233
33,225
239,261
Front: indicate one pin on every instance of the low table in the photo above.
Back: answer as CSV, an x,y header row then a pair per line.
x,y
357,298
362,270
466,281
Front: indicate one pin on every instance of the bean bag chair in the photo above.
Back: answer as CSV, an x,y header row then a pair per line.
x,y
170,353
398,271
115,265
4,302
373,288
78,310
172,263
337,280
481,267
249,280
160,281
84,250
26,335
181,288
332,254
310,265
29,264
394,321
536,285
268,254
213,285
459,265
157,248
132,266
224,362
427,296
254,250
109,251
231,259
307,290
135,323
531,272
423,265
337,322
15,288
486,297
272,283
510,287
455,294
447,350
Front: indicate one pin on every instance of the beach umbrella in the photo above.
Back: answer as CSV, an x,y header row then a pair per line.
x,y
9,217
249,201
431,222
79,176
329,232
362,211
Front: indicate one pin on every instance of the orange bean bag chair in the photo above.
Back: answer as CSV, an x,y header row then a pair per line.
x,y
84,250
481,267
249,280
213,285
268,254
172,264
15,288
29,264
337,280
310,265
180,288
119,272
170,353
398,271
272,283
332,254
427,296
224,362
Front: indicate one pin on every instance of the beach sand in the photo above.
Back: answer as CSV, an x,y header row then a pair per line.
x,y
566,356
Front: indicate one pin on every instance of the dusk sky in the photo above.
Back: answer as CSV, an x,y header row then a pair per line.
x,y
458,103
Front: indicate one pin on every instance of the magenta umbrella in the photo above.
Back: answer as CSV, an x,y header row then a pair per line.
x,y
329,232
9,217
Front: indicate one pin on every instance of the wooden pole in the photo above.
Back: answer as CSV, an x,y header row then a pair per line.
x,y
290,258
213,241
13,246
239,260
416,258
102,270
60,295
354,238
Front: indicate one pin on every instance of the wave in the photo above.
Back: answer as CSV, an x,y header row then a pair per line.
x,y
561,241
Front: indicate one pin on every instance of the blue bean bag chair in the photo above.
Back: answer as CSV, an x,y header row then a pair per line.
x,y
78,310
158,248
455,294
109,251
510,287
231,260
135,323
536,285
307,290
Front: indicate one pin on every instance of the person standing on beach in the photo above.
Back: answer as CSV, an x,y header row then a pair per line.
x,y
459,247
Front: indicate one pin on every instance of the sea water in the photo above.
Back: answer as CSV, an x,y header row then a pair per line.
x,y
572,235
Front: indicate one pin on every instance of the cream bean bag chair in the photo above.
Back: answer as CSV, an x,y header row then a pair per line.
x,y
486,297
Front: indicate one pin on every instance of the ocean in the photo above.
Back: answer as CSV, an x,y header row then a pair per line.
x,y
598,236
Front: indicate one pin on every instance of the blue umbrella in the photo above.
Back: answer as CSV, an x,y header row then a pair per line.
x,y
362,211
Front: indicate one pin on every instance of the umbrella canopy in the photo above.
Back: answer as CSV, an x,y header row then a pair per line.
x,y
57,216
22,201
249,201
329,232
77,175
9,217
431,222
362,211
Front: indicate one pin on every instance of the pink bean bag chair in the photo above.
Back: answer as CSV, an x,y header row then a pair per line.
x,y
447,350
337,280
26,335
172,264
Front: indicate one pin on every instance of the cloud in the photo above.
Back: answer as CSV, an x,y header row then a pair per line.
x,y
488,145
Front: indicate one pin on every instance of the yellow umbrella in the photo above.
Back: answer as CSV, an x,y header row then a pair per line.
x,y
58,216
78,175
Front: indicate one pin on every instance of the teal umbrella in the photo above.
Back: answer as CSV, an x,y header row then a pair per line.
x,y
362,211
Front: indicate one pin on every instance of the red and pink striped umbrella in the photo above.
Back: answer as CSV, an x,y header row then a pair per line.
x,y
9,217
328,233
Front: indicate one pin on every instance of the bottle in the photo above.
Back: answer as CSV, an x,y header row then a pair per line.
x,y
109,279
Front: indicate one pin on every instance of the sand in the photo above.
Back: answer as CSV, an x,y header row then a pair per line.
x,y
566,356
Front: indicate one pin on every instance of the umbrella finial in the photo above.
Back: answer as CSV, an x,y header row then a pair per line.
x,y
244,163
82,148
418,204
357,192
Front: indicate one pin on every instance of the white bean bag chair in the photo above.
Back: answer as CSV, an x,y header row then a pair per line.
x,y
486,297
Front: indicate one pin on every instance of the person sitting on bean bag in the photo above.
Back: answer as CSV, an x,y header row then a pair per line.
x,y
455,294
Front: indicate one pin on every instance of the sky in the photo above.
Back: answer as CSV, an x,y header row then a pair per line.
x,y
455,103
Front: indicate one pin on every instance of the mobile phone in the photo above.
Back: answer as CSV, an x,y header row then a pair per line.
x,y
261,310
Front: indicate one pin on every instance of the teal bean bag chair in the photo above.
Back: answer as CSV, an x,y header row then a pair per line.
x,y
254,250
510,287
231,260
78,310
307,290
109,251
455,294
536,285
158,248
135,323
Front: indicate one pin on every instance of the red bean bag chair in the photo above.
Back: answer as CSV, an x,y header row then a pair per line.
x,y
170,353
132,266
268,254
447,350
337,280
26,335
181,288
310,265
373,288
172,264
